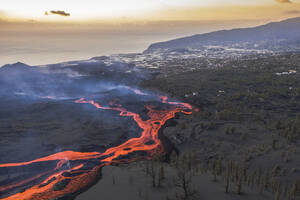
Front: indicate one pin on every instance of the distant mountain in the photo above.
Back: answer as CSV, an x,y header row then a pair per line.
x,y
278,36
15,67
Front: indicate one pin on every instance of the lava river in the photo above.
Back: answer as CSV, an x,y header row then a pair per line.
x,y
77,171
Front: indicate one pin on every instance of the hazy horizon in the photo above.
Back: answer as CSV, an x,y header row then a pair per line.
x,y
57,31
47,43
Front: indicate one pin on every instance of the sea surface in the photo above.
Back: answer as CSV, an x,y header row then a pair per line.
x,y
40,44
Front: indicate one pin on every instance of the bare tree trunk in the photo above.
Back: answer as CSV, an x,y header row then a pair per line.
x,y
153,173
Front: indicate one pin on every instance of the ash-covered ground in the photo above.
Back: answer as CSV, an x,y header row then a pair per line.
x,y
242,144
246,133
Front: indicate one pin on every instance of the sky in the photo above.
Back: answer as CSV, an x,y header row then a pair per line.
x,y
144,9
49,31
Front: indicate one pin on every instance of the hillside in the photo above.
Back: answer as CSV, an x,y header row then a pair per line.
x,y
284,35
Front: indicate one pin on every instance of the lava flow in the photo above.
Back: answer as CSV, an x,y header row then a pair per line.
x,y
76,171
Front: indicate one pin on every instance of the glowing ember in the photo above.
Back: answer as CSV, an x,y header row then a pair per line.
x,y
83,176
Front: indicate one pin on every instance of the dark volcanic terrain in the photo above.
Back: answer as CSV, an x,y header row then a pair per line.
x,y
240,142
248,115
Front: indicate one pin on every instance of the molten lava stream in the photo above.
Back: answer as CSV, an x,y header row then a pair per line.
x,y
45,189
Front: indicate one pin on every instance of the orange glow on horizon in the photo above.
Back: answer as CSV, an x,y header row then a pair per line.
x,y
93,11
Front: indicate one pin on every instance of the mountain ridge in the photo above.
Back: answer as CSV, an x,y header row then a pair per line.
x,y
274,35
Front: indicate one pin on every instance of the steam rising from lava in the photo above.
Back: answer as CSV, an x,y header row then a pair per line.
x,y
67,80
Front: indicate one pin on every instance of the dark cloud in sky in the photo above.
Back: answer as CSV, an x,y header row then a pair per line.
x,y
57,12
283,1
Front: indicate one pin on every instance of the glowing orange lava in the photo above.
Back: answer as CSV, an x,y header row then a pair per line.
x,y
148,142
